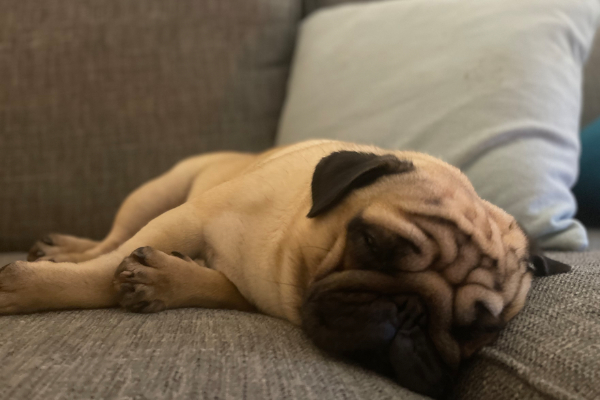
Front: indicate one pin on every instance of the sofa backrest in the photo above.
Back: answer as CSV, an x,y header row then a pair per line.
x,y
97,97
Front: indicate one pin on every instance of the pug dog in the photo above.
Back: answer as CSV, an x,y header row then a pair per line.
x,y
385,258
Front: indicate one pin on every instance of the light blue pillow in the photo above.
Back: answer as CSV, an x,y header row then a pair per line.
x,y
493,87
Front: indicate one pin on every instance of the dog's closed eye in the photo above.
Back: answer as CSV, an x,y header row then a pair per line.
x,y
376,248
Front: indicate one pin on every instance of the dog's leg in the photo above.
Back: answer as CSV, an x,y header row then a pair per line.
x,y
56,244
144,204
150,281
44,285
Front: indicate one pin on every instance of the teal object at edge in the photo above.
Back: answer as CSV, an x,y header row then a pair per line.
x,y
587,189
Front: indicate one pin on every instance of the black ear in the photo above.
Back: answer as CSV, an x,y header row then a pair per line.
x,y
542,265
545,266
341,172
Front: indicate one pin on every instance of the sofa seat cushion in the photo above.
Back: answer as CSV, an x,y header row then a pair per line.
x,y
550,350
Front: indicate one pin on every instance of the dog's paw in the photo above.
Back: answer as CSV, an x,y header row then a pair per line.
x,y
59,248
143,280
12,286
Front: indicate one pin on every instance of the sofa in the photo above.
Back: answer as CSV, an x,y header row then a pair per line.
x,y
96,97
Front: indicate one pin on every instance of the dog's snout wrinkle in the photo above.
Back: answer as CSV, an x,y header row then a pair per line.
x,y
443,233
446,295
382,327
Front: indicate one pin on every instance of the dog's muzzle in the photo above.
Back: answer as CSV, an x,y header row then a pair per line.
x,y
383,331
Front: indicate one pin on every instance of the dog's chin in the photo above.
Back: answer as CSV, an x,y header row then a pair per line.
x,y
384,331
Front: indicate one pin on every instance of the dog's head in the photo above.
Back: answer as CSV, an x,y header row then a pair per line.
x,y
425,273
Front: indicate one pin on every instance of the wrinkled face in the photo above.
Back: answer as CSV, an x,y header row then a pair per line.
x,y
428,273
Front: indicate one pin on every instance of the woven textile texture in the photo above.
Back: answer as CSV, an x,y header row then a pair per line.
x,y
550,351
97,97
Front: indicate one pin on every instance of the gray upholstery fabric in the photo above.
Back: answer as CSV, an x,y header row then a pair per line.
x,y
99,96
7,258
550,351
178,354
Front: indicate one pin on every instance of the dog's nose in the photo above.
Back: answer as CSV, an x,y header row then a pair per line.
x,y
344,316
417,364
382,331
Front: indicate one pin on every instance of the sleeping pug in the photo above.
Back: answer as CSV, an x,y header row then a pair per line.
x,y
387,258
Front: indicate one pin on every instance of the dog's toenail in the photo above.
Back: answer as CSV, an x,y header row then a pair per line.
x,y
48,241
39,254
139,252
52,260
139,306
178,255
126,274
139,255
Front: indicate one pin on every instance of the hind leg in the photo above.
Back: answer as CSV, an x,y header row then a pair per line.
x,y
148,278
144,204
56,244
44,285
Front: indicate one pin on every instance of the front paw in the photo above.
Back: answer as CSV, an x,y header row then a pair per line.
x,y
39,249
140,283
12,286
